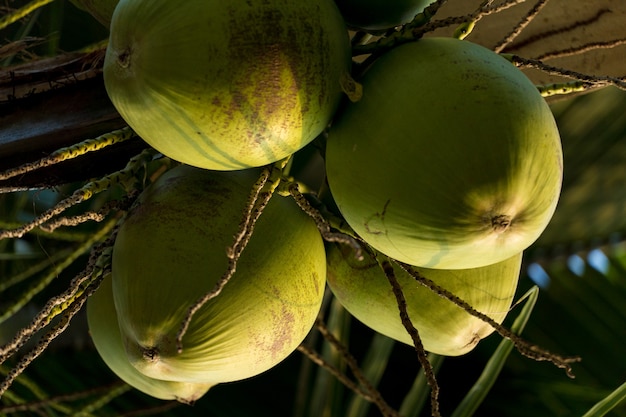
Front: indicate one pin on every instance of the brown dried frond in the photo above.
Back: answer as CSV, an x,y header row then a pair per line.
x,y
20,46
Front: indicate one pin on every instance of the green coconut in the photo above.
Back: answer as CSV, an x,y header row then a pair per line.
x,y
379,15
101,10
171,249
226,85
105,333
452,159
444,328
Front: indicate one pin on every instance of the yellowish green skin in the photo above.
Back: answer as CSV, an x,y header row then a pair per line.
x,y
172,249
105,333
226,85
444,328
452,159
101,10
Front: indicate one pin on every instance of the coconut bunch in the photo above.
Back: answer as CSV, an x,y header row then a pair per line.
x,y
448,164
224,88
452,158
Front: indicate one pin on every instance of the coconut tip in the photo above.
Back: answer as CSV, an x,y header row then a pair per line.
x,y
501,222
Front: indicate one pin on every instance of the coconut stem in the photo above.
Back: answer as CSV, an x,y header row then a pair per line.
x,y
500,223
150,354
351,88
322,224
413,332
123,59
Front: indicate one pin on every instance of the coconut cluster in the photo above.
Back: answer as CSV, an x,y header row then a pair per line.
x,y
450,163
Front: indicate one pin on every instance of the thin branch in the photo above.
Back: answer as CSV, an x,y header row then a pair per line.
x,y
57,268
70,152
409,32
549,90
135,164
322,224
413,32
317,359
24,11
415,337
103,400
521,25
98,262
59,208
45,341
541,36
375,395
33,405
424,17
97,216
594,79
487,10
525,348
248,216
257,202
581,49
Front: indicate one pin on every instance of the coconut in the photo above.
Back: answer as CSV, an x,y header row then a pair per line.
x,y
226,85
444,328
171,250
452,159
377,15
105,333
